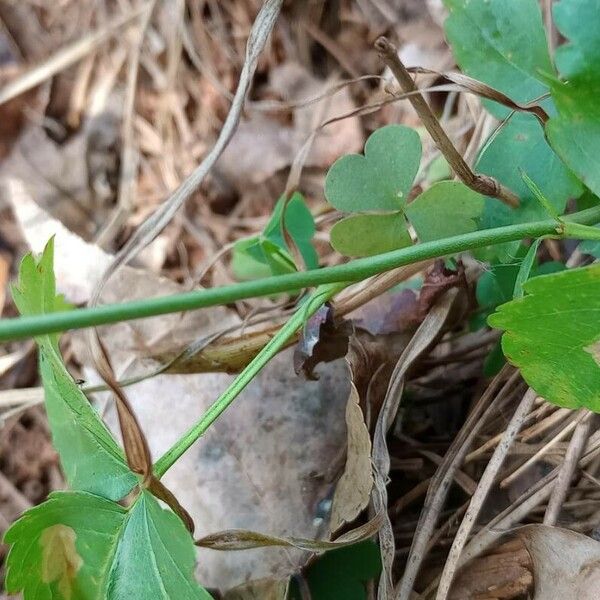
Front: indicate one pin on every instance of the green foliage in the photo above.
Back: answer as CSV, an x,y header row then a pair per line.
x,y
91,459
491,43
446,209
269,253
379,183
367,235
553,335
381,179
520,145
500,42
342,574
77,545
81,544
575,132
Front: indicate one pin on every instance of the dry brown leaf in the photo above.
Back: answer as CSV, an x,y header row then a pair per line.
x,y
260,148
266,589
354,487
74,182
295,84
566,564
503,573
323,339
264,145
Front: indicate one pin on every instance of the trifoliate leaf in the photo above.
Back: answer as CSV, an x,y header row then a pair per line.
x,y
575,132
491,43
446,209
553,336
381,179
366,235
90,456
77,545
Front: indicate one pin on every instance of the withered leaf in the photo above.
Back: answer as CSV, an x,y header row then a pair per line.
x,y
323,339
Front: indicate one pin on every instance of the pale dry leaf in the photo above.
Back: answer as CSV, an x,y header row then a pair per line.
x,y
264,145
260,147
266,589
566,564
265,465
74,181
354,487
78,265
295,84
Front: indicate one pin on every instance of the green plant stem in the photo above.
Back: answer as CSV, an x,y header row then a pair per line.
x,y
321,295
352,271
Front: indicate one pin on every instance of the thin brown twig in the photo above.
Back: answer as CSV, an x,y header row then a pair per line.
x,y
567,469
441,481
482,184
481,493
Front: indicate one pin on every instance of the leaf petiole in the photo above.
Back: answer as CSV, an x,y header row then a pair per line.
x,y
321,295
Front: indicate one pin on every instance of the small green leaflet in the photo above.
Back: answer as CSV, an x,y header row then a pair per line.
x,y
90,456
77,545
553,335
381,179
367,235
575,132
268,253
377,185
434,213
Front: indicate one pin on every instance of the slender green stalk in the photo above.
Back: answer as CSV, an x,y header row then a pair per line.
x,y
349,272
306,309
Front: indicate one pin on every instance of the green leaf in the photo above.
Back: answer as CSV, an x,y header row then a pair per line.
x,y
366,235
446,209
494,287
77,545
492,44
381,179
90,456
342,574
553,336
268,253
575,132
590,247
525,269
502,43
520,146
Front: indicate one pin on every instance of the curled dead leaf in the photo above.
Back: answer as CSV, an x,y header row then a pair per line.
x,y
566,564
354,487
323,339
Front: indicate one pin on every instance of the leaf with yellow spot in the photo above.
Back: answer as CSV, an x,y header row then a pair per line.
x,y
77,546
60,561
